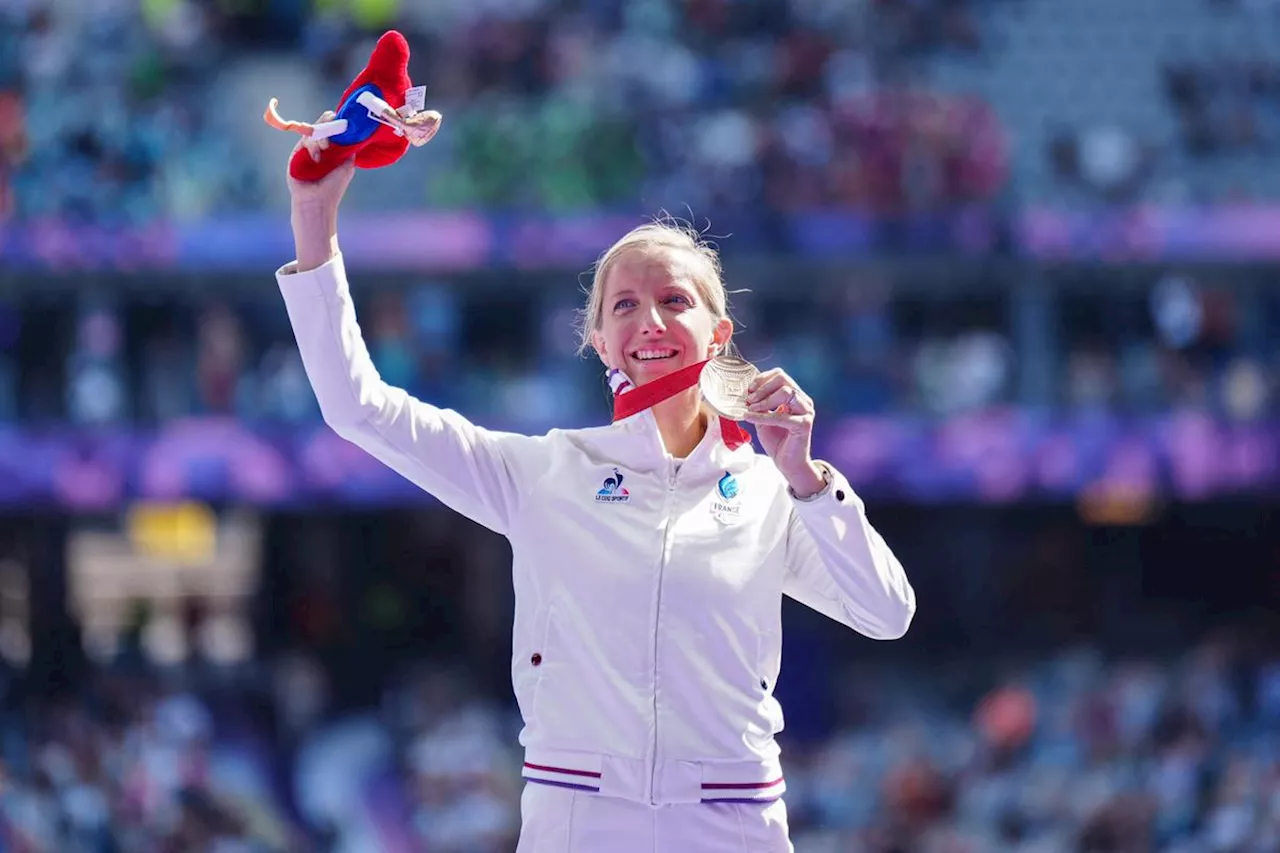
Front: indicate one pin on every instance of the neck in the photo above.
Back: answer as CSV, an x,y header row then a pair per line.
x,y
681,422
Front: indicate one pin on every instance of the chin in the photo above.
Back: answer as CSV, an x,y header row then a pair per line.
x,y
642,372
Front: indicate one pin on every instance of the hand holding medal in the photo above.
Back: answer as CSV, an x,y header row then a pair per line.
x,y
736,391
773,402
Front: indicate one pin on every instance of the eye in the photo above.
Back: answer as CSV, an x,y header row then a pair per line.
x,y
624,304
679,299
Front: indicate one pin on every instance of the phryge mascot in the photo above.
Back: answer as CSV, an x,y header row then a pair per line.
x,y
379,115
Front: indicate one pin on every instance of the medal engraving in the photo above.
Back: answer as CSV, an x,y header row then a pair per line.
x,y
724,382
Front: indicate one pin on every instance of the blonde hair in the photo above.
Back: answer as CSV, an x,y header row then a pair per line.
x,y
667,233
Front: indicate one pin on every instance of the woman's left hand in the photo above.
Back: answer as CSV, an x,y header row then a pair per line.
x,y
783,416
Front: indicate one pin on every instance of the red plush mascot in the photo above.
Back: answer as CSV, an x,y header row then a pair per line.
x,y
378,117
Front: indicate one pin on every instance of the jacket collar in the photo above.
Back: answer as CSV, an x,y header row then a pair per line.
x,y
629,399
634,440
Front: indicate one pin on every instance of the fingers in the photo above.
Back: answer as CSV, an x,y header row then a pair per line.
x,y
314,146
771,389
785,397
305,143
765,384
775,391
329,190
791,423
319,145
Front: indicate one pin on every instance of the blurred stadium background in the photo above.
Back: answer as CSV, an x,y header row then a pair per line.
x,y
1024,253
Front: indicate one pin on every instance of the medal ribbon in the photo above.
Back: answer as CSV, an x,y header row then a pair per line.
x,y
630,399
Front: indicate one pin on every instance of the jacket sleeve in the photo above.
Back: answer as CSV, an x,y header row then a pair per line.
x,y
479,473
839,565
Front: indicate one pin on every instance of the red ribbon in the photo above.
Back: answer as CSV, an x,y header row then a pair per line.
x,y
641,397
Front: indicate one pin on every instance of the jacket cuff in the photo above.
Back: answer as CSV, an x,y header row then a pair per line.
x,y
330,276
836,489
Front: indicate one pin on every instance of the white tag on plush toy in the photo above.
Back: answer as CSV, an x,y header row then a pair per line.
x,y
415,99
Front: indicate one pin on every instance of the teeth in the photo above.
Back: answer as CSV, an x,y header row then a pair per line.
x,y
650,354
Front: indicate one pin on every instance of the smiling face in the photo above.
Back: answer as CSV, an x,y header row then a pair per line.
x,y
656,315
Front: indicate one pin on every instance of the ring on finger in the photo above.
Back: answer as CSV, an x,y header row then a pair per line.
x,y
788,405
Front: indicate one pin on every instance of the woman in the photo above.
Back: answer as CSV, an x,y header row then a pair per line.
x,y
650,556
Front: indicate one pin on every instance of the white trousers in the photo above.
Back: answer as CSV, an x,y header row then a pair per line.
x,y
562,820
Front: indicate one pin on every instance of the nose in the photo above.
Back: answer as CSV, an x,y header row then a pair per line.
x,y
652,323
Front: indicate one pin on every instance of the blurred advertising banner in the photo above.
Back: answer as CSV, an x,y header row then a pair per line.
x,y
996,456
431,241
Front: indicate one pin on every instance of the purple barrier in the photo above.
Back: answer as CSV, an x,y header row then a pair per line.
x,y
444,241
1228,232
992,457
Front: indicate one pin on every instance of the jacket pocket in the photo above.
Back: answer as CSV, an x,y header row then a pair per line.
x,y
768,658
542,653
529,655
768,665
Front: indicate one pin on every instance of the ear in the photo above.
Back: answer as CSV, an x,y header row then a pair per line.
x,y
721,335
598,344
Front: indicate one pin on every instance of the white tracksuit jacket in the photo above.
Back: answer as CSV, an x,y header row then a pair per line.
x,y
648,592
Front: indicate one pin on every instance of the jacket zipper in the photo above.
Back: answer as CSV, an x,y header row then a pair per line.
x,y
657,618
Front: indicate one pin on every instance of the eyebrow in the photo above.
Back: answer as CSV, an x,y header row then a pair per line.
x,y
687,289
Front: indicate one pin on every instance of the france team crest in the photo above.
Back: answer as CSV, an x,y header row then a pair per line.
x,y
728,486
725,506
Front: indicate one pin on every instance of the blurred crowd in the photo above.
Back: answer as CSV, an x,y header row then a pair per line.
x,y
130,764
1227,106
109,114
1173,341
1068,753
126,112
1072,753
553,105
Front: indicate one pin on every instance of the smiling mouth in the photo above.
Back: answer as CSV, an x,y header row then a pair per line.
x,y
651,355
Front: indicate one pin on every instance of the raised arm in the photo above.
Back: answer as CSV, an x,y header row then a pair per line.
x,y
479,473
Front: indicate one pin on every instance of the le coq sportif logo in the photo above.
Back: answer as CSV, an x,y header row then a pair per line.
x,y
612,491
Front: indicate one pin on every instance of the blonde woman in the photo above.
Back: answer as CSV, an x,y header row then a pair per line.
x,y
650,555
